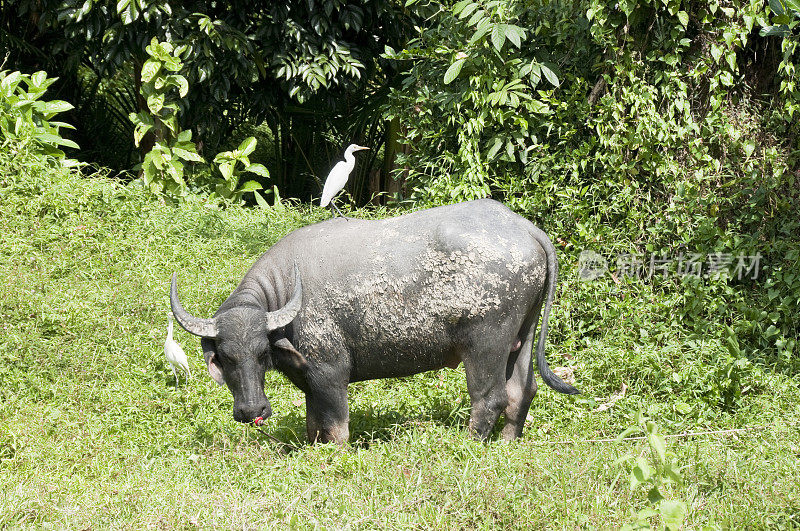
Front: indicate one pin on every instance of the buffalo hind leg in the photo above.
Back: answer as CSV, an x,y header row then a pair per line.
x,y
487,391
520,388
520,378
327,416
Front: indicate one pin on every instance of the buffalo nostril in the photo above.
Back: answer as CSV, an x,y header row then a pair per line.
x,y
247,413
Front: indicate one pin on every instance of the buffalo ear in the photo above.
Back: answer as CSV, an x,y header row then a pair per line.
x,y
288,355
212,360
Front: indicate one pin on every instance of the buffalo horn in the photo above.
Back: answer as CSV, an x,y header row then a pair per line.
x,y
286,315
193,325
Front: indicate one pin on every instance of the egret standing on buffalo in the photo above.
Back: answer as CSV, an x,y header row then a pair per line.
x,y
337,178
174,353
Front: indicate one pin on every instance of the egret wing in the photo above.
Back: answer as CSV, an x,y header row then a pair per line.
x,y
335,182
176,356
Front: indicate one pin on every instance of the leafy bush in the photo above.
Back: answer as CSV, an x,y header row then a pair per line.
x,y
228,163
626,128
655,474
163,168
163,165
25,119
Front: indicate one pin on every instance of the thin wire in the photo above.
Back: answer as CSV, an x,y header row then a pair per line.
x,y
670,436
614,439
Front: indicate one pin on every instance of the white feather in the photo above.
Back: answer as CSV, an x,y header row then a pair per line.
x,y
337,178
175,354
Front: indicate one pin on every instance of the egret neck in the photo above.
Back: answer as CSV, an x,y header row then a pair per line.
x,y
349,158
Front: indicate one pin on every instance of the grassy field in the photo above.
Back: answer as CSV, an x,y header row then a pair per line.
x,y
95,434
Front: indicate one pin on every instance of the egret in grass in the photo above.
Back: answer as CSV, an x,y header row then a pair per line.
x,y
337,178
174,353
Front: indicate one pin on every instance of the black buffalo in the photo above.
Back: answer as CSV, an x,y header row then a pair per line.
x,y
349,300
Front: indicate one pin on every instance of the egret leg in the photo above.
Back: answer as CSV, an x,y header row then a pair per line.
x,y
175,373
334,207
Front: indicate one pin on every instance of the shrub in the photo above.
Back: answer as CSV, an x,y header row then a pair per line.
x,y
25,118
627,128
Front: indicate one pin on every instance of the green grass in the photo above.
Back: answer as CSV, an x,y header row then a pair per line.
x,y
94,433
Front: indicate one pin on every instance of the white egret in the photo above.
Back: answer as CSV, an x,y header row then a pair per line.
x,y
174,353
337,178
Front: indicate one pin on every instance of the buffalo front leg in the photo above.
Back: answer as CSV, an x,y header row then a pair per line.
x,y
327,415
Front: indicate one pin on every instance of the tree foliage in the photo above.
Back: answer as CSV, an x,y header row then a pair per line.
x,y
649,126
26,119
246,62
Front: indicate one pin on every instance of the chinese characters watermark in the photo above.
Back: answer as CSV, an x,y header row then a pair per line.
x,y
592,265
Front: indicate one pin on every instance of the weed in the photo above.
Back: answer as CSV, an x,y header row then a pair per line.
x,y
655,475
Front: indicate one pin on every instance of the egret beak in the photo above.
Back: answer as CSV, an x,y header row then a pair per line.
x,y
360,148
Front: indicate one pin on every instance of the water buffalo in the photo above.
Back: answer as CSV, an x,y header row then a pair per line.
x,y
348,300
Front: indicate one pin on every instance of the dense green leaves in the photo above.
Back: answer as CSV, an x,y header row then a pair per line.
x,y
228,163
247,61
163,168
498,82
26,119
631,127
